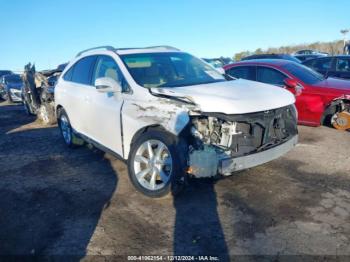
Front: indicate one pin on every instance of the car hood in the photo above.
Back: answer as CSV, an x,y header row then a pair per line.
x,y
336,83
232,97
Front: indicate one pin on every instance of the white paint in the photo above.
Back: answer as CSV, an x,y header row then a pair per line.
x,y
113,119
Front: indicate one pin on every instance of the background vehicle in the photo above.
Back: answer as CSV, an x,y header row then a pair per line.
x,y
318,100
38,92
331,66
5,72
304,55
218,62
10,87
272,56
168,113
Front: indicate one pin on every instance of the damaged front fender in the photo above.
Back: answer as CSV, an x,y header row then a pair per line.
x,y
136,115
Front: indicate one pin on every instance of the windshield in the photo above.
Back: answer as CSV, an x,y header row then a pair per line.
x,y
305,74
13,79
169,70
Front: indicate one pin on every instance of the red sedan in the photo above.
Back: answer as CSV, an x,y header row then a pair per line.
x,y
319,100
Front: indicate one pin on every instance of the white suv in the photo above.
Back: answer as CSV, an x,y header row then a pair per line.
x,y
168,114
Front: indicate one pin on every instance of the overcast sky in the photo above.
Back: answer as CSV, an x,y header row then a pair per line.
x,y
52,32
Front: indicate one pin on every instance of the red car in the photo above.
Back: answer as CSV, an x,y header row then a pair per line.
x,y
319,100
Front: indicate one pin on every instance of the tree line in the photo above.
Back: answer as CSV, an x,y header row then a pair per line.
x,y
332,48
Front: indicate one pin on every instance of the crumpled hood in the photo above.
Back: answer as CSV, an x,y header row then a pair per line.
x,y
232,97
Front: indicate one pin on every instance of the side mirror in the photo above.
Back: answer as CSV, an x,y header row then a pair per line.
x,y
107,84
290,83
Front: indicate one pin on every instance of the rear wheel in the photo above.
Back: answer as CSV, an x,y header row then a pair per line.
x,y
65,128
155,165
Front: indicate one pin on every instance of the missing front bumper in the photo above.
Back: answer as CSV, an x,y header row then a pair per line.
x,y
227,166
208,163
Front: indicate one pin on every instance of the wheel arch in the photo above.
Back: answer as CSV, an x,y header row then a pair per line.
x,y
334,107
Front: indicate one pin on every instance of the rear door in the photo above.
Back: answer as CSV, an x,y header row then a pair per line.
x,y
323,66
76,92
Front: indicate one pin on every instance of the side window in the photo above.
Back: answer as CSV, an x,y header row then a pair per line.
x,y
309,63
107,67
270,76
244,72
343,65
82,70
323,64
68,75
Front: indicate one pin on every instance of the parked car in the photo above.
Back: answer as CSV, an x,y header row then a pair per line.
x,y
10,87
272,56
306,54
5,72
38,92
218,62
319,100
331,66
168,114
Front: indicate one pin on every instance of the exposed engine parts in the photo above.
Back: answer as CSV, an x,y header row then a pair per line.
x,y
219,136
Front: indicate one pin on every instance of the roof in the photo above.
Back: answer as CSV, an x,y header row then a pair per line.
x,y
276,62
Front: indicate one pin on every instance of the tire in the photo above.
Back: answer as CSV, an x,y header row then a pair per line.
x,y
65,128
27,108
47,114
162,171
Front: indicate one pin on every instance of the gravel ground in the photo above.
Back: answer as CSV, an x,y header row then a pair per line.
x,y
60,201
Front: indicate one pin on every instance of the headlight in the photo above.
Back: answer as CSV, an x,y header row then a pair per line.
x,y
14,90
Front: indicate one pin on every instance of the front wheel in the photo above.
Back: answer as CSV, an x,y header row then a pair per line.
x,y
341,120
155,165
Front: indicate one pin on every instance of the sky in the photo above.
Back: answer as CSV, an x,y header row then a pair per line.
x,y
49,33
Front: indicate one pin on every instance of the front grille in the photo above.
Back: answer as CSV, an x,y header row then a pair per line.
x,y
262,130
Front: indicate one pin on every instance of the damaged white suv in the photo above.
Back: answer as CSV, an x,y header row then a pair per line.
x,y
169,114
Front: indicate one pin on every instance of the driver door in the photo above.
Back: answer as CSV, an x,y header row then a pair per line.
x,y
104,116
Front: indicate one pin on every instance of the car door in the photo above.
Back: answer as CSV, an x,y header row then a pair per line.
x,y
342,67
244,72
323,65
76,92
104,112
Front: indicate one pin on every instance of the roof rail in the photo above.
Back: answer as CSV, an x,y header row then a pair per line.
x,y
165,47
106,47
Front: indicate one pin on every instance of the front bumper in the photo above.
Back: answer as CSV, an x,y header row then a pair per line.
x,y
227,166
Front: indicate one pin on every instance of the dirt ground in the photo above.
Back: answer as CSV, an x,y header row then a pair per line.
x,y
60,201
